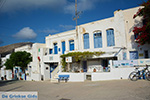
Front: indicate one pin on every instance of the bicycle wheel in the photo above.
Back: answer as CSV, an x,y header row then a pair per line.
x,y
148,75
133,76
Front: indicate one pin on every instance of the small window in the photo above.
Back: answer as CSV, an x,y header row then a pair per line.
x,y
55,48
136,36
71,45
146,54
134,55
50,51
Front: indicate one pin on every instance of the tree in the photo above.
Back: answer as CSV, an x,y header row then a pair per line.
x,y
143,32
20,58
9,64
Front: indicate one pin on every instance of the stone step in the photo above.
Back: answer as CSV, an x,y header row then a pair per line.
x,y
54,80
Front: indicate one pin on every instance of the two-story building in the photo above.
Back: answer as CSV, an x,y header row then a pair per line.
x,y
113,36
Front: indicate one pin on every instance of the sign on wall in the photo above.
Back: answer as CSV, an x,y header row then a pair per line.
x,y
51,58
144,61
139,62
125,63
68,59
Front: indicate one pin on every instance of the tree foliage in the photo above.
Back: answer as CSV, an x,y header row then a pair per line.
x,y
20,58
143,33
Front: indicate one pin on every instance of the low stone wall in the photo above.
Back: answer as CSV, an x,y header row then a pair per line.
x,y
74,77
115,74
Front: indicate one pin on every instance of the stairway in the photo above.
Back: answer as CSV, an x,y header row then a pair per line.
x,y
54,74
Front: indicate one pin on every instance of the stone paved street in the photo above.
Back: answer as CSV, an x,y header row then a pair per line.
x,y
101,90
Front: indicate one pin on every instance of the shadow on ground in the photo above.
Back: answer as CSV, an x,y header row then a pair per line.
x,y
7,82
64,99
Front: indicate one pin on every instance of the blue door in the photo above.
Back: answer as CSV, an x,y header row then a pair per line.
x,y
86,40
55,48
71,44
134,55
63,47
98,40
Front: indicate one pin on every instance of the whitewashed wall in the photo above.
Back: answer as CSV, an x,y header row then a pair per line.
x,y
27,48
46,72
129,24
58,38
37,66
96,63
74,77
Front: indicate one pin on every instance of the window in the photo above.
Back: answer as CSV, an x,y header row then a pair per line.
x,y
146,54
97,39
55,48
63,47
124,56
71,45
134,55
86,40
110,37
136,35
50,51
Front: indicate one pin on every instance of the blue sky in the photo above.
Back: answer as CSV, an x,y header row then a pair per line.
x,y
33,20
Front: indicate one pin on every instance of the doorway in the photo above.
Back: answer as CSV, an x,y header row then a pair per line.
x,y
52,67
84,63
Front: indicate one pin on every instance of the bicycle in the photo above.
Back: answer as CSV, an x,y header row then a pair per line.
x,y
137,74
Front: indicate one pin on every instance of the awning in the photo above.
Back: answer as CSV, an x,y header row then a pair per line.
x,y
106,55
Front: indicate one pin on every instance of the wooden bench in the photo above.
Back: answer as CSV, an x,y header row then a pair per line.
x,y
63,77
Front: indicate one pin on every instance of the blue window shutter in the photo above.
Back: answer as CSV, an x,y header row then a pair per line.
x,y
71,44
86,40
50,51
98,40
110,37
63,47
55,48
134,55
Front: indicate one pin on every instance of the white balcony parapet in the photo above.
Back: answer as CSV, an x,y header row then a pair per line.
x,y
51,58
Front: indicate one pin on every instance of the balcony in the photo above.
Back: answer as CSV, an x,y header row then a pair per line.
x,y
51,58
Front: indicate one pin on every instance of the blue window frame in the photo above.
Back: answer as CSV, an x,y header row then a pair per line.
x,y
134,55
71,45
55,48
50,51
86,40
110,37
98,39
63,47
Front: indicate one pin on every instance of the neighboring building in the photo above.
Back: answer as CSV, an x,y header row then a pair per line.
x,y
5,52
35,69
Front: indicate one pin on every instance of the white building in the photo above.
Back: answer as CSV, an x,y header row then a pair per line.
x,y
111,35
5,54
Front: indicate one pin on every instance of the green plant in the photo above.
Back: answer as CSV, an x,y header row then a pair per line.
x,y
78,56
143,33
